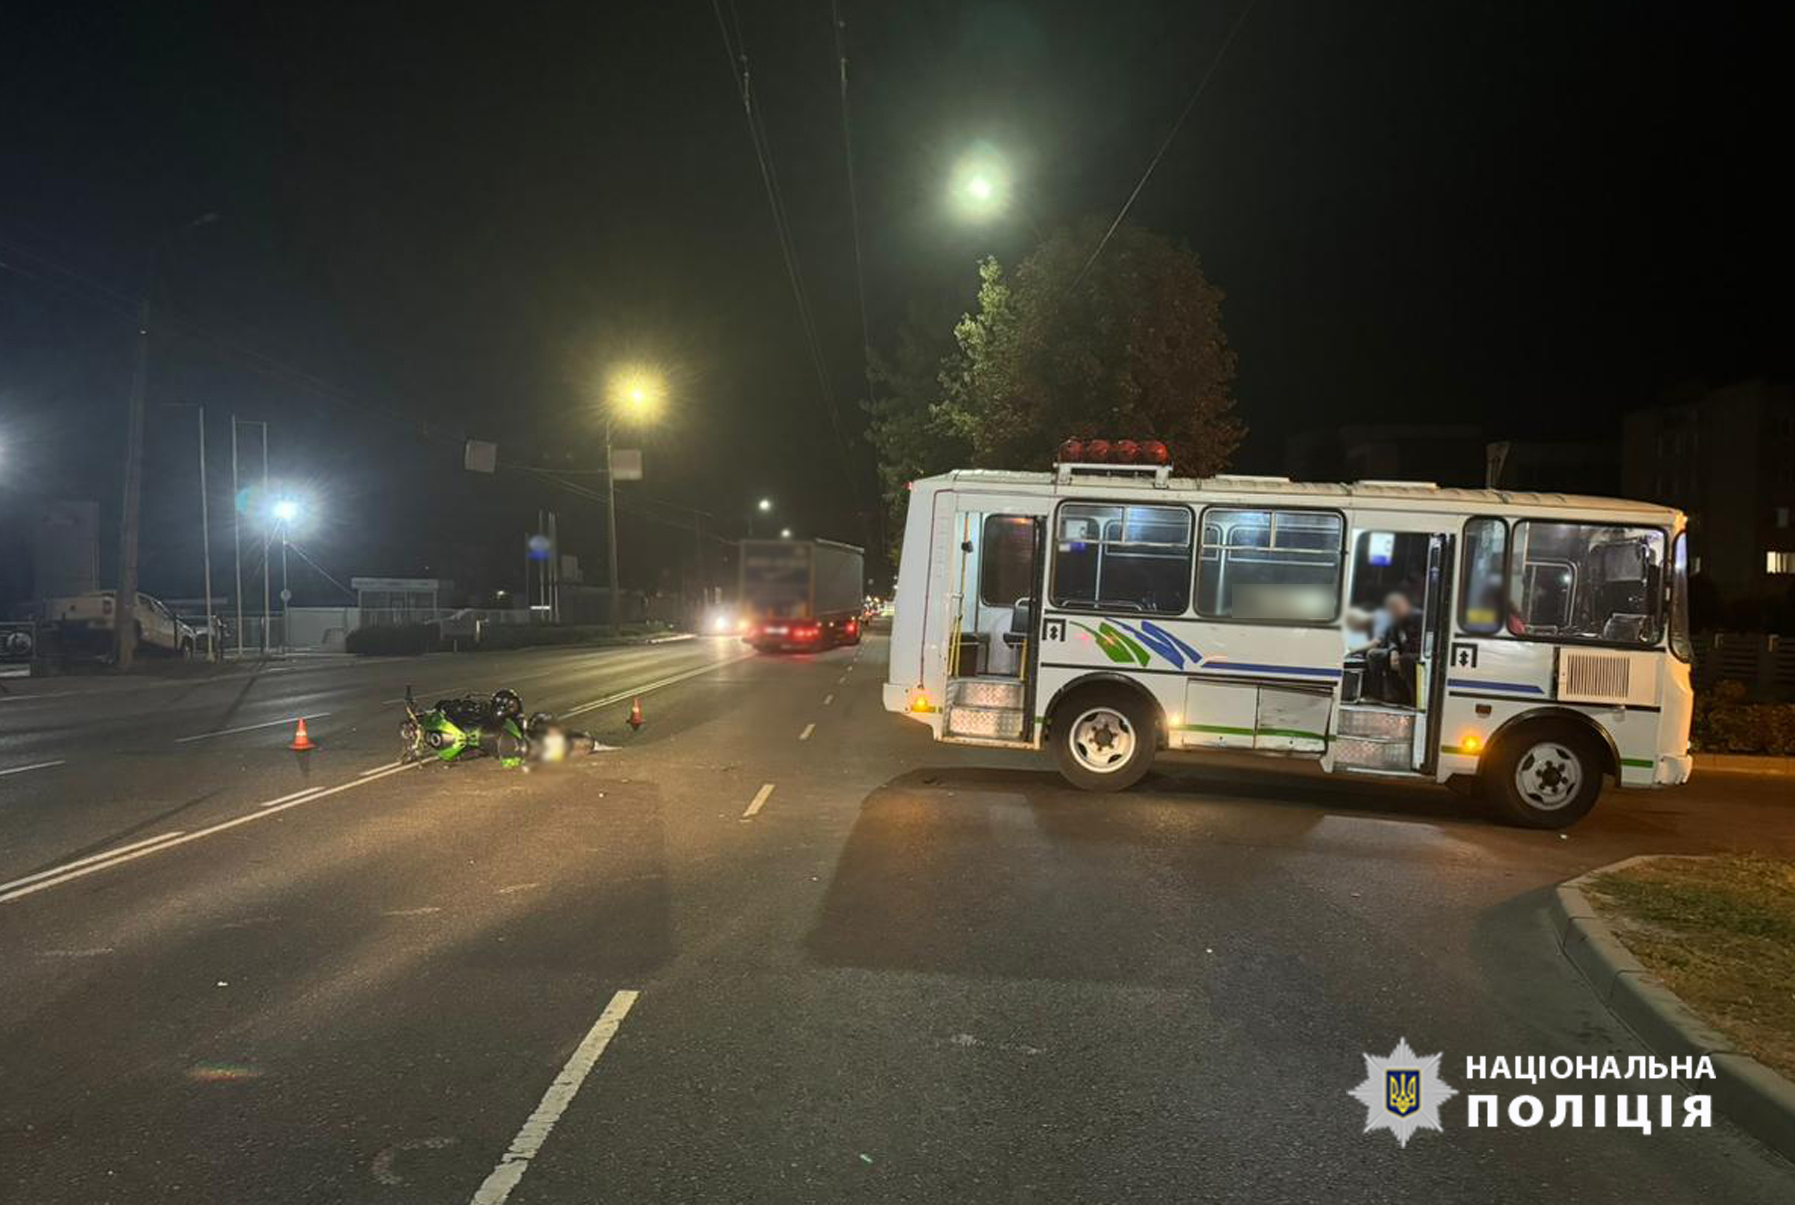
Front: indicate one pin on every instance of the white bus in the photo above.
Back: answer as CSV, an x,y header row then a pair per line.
x,y
1527,646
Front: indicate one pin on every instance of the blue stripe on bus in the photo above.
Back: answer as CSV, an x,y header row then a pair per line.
x,y
1478,684
1249,668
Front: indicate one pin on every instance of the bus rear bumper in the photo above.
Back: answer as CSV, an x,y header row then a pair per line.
x,y
1673,771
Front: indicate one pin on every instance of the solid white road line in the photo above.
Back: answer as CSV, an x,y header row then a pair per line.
x,y
828,699
808,729
760,799
72,871
621,695
42,765
99,857
379,768
292,719
535,1131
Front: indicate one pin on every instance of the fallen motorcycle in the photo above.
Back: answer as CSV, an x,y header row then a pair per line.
x,y
475,726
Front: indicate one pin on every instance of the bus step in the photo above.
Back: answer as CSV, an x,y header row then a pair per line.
x,y
995,723
985,692
1378,723
1371,753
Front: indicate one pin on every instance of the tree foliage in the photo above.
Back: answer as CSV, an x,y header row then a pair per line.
x,y
1131,349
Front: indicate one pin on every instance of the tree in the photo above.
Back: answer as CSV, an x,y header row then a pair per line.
x,y
906,426
1132,348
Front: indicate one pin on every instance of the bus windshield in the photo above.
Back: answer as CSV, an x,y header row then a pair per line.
x,y
1587,582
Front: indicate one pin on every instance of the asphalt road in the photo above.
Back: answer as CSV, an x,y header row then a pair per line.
x,y
776,947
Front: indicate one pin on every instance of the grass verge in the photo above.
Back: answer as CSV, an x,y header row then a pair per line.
x,y
1720,933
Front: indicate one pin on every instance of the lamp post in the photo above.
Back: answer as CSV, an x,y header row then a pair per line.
x,y
635,393
125,613
285,511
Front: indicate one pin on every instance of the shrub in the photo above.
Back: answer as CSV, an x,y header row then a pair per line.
x,y
1725,722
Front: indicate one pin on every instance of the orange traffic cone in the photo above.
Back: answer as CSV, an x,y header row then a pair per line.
x,y
635,713
301,742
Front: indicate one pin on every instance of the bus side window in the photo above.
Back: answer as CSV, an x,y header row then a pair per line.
x,y
1481,583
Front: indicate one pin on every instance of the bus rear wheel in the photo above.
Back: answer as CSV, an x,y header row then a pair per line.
x,y
1104,738
1543,775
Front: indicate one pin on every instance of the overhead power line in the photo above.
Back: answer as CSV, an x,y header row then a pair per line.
x,y
1196,93
735,50
847,146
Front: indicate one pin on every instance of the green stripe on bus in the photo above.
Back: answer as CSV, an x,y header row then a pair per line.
x,y
1638,763
1459,751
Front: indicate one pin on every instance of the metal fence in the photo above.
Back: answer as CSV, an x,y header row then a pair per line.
x,y
1764,664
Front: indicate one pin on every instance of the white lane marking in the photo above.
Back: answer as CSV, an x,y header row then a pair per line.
x,y
54,694
516,887
42,765
288,798
64,874
828,699
292,719
808,729
535,1131
424,911
760,799
99,857
631,693
841,681
377,769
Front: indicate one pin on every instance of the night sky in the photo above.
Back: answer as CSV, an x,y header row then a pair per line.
x,y
1532,217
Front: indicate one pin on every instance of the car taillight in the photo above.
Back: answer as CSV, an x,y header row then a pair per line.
x,y
853,626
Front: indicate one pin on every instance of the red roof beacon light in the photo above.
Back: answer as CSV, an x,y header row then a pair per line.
x,y
1097,451
1154,452
1127,451
1072,451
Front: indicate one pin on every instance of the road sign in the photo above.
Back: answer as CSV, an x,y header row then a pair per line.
x,y
480,456
286,596
626,464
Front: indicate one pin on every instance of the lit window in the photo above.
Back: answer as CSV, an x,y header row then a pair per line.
x,y
1779,562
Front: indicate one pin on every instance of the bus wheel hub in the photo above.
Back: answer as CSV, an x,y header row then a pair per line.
x,y
1102,739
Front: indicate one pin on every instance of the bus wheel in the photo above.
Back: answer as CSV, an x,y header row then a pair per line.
x,y
1104,738
1544,775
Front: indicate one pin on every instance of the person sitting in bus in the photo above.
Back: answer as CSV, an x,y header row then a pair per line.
x,y
1396,646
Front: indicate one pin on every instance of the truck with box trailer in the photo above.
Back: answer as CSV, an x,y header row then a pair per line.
x,y
800,595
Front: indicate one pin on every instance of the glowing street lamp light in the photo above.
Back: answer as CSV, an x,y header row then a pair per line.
x,y
980,185
785,533
286,511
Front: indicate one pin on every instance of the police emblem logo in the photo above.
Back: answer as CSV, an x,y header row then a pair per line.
x,y
1402,1091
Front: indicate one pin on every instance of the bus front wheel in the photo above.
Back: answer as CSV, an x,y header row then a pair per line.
x,y
1543,775
1104,738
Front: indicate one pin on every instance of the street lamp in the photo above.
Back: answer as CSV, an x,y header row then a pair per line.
x,y
286,512
636,394
785,533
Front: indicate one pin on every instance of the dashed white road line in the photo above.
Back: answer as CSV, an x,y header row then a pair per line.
x,y
42,765
296,795
828,699
75,870
292,719
535,1132
808,729
760,800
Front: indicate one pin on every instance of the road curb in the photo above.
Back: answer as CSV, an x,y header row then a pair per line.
x,y
1751,1095
1744,763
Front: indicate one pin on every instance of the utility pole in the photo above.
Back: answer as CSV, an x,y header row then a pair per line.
x,y
125,613
205,539
236,535
265,531
611,521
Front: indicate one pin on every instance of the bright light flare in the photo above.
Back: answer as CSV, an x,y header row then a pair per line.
x,y
980,185
637,392
285,510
